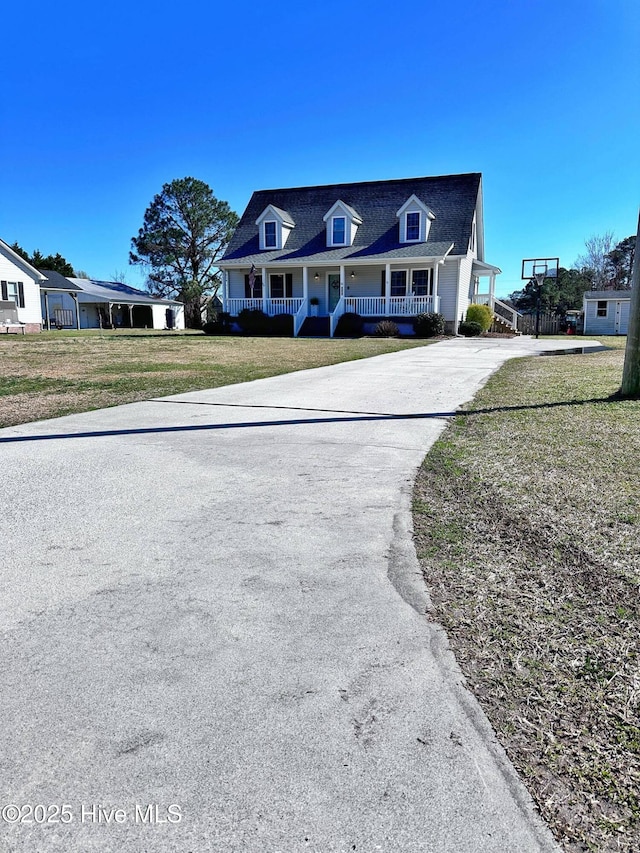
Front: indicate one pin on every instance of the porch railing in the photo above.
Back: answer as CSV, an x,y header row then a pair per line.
x,y
269,306
500,309
392,306
507,313
300,316
335,315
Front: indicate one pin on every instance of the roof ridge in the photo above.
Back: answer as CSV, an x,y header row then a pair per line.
x,y
369,183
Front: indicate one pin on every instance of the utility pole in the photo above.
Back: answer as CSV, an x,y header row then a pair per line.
x,y
631,372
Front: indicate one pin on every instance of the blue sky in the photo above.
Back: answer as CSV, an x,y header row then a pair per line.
x,y
103,103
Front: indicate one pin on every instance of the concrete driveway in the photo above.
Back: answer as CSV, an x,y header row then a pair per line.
x,y
213,625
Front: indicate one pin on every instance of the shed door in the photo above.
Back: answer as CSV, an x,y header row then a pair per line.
x,y
622,317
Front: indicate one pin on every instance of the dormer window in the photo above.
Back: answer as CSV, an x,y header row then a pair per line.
x,y
415,221
342,224
413,226
270,235
274,226
339,230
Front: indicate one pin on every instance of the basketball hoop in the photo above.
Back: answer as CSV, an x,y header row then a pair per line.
x,y
537,270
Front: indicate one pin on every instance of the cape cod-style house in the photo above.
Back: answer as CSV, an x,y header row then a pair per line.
x,y
379,249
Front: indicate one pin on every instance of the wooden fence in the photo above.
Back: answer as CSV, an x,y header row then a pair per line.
x,y
550,324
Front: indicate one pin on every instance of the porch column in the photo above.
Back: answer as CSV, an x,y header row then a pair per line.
x,y
131,316
492,287
342,284
305,283
265,284
387,289
111,314
436,267
74,296
46,309
225,288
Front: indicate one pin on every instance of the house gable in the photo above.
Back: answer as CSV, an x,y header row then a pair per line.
x,y
342,222
19,285
274,227
415,219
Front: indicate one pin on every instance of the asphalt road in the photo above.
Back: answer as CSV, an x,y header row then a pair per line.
x,y
213,629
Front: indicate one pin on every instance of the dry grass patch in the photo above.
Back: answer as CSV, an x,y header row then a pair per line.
x,y
526,518
56,373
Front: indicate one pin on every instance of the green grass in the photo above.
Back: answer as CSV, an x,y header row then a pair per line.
x,y
526,527
55,373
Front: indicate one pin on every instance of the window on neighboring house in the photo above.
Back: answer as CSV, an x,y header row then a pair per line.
x,y
270,237
13,291
339,231
601,310
398,282
281,286
422,282
413,226
257,288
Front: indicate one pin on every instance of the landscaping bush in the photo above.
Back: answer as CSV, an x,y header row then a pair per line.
x,y
350,325
213,327
428,325
470,329
386,329
282,325
480,314
253,321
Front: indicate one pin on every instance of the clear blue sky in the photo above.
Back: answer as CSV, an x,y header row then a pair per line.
x,y
102,103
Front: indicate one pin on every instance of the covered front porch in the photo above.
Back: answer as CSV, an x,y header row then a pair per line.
x,y
373,292
484,294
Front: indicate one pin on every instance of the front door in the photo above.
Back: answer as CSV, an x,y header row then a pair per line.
x,y
622,318
333,288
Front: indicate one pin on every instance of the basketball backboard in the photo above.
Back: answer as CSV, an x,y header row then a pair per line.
x,y
534,267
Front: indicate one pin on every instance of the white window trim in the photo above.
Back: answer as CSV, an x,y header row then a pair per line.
x,y
345,219
264,234
406,284
408,239
606,309
429,272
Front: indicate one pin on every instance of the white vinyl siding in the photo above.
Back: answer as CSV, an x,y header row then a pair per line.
x,y
464,285
447,287
11,272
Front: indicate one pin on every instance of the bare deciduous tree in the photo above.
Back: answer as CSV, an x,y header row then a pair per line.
x,y
595,260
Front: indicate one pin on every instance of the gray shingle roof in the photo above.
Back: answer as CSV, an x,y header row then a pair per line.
x,y
601,295
56,281
452,198
114,291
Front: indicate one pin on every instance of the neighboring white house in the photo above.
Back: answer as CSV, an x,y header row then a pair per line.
x,y
19,292
606,312
109,303
81,303
380,249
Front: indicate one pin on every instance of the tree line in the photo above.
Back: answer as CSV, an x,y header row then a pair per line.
x,y
604,265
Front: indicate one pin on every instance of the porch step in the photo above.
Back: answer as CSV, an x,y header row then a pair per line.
x,y
315,327
501,325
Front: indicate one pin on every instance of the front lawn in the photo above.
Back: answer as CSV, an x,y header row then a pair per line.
x,y
526,520
57,373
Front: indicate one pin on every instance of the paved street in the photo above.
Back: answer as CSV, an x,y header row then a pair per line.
x,y
212,602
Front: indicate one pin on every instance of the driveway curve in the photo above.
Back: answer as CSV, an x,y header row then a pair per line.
x,y
214,631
